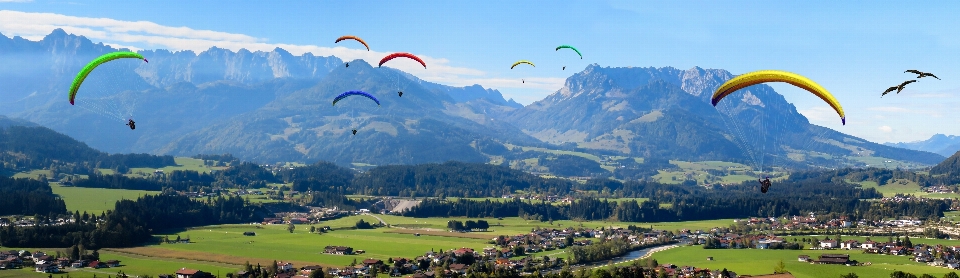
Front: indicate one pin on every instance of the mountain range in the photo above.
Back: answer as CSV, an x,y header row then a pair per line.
x,y
275,106
945,145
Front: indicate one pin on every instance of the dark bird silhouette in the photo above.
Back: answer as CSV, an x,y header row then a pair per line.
x,y
923,74
898,88
354,132
400,93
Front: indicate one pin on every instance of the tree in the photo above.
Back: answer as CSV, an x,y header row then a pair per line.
x,y
313,229
780,268
290,227
951,275
316,274
850,275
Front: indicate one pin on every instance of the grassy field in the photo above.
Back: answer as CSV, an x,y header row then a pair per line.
x,y
273,242
183,163
755,262
898,186
94,200
130,264
34,174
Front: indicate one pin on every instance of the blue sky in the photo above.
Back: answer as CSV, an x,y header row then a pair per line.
x,y
855,49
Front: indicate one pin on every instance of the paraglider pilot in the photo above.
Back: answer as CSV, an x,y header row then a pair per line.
x,y
764,184
131,124
354,132
348,65
400,93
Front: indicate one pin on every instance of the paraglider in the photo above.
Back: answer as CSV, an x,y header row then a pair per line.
x,y
400,93
401,54
354,132
922,74
132,124
764,76
522,62
355,93
348,37
570,47
764,184
93,64
898,88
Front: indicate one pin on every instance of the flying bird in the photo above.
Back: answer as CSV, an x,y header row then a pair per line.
x,y
898,87
922,74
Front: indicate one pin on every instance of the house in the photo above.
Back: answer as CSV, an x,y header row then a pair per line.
x,y
803,258
833,259
42,259
310,268
338,250
5,264
63,262
47,268
113,263
850,244
869,245
78,264
284,267
369,262
97,264
899,250
828,244
459,268
192,273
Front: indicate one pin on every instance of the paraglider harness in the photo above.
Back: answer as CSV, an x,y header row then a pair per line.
x,y
131,124
764,184
354,132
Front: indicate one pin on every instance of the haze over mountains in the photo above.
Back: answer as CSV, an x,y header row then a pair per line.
x,y
945,145
274,106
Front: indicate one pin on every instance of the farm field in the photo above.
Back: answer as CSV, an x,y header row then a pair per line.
x,y
274,242
892,188
130,264
756,262
183,163
94,200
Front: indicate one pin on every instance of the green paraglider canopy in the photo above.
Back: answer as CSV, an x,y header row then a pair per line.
x,y
96,62
570,47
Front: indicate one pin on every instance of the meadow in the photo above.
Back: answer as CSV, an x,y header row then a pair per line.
x,y
129,264
757,262
95,200
183,163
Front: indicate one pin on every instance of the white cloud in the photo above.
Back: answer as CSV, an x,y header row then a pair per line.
x,y
138,35
886,129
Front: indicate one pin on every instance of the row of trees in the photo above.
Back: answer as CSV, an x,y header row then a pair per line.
x,y
28,197
132,222
470,225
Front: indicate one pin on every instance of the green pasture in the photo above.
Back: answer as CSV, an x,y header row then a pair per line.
x,y
893,187
183,163
95,200
276,243
129,264
557,152
758,261
33,174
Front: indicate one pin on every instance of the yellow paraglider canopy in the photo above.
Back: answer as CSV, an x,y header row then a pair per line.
x,y
763,76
